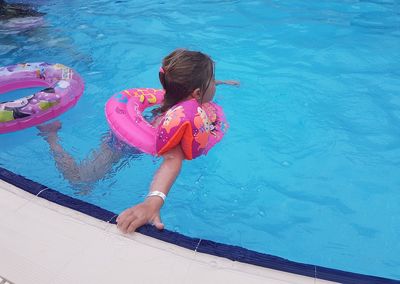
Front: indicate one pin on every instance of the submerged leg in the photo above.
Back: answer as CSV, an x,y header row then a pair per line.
x,y
92,169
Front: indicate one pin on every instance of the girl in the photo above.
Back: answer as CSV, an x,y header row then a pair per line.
x,y
185,76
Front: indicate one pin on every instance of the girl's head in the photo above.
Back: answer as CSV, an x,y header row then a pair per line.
x,y
185,74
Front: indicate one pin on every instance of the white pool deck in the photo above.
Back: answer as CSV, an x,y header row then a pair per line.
x,y
42,242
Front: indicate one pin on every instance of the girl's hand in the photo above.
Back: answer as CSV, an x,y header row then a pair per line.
x,y
146,212
149,210
228,82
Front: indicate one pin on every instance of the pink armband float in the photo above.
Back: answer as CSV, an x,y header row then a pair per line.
x,y
197,128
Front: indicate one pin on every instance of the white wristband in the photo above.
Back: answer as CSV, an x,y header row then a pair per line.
x,y
157,193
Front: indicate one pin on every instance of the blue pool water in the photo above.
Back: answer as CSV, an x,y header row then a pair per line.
x,y
310,167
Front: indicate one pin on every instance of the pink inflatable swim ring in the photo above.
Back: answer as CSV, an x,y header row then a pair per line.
x,y
197,128
63,88
124,115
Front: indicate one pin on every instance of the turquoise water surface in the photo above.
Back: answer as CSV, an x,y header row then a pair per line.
x,y
310,167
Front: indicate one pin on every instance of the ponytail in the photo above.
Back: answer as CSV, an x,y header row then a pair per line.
x,y
181,73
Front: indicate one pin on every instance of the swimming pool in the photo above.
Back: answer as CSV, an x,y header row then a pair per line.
x,y
309,168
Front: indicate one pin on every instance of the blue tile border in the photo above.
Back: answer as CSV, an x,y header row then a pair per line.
x,y
234,253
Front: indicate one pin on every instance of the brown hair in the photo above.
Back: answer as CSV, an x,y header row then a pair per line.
x,y
183,71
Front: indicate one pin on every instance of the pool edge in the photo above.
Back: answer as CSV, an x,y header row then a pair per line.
x,y
230,252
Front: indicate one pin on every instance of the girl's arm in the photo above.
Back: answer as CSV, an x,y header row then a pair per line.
x,y
227,82
149,210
